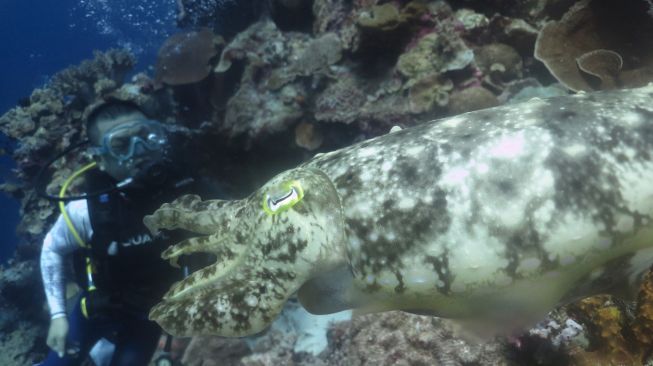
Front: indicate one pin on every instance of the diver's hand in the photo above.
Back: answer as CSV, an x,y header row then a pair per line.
x,y
57,335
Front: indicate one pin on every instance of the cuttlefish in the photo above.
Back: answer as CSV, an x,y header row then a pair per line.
x,y
502,213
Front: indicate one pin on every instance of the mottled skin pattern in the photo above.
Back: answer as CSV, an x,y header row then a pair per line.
x,y
496,214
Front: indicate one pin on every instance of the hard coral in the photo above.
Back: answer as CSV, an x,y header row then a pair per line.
x,y
566,46
258,112
337,16
340,101
384,17
262,44
397,338
604,64
435,53
215,351
269,98
471,99
609,333
22,319
309,58
89,80
184,58
500,61
514,32
643,326
308,136
429,92
319,54
384,31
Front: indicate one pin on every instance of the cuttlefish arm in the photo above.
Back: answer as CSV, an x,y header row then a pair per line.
x,y
266,245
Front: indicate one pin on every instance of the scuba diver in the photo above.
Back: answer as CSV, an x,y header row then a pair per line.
x,y
116,260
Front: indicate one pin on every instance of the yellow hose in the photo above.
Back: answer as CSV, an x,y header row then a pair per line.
x,y
62,207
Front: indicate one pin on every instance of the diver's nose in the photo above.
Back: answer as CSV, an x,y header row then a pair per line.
x,y
139,150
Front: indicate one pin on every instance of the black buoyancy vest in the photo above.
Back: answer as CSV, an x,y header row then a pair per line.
x,y
126,256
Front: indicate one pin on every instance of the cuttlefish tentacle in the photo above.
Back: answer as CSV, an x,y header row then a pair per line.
x,y
188,212
242,303
267,245
218,244
227,256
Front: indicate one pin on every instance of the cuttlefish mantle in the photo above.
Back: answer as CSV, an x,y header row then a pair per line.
x,y
500,213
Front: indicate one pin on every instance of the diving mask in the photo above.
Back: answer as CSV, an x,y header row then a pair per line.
x,y
125,141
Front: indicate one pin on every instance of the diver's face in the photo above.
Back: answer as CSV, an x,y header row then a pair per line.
x,y
124,145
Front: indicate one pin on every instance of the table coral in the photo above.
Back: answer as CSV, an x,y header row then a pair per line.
x,y
592,25
184,57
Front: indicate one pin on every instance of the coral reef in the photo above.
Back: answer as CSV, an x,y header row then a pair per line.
x,y
499,61
308,136
92,78
22,316
548,342
184,57
434,54
608,333
429,92
317,75
471,99
643,323
340,101
397,338
592,48
262,105
215,351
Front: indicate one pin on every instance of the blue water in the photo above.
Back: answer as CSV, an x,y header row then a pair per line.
x,y
41,37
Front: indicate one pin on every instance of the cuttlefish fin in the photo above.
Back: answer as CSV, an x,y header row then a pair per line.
x,y
330,292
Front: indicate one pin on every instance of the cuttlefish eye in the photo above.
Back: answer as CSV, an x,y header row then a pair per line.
x,y
283,198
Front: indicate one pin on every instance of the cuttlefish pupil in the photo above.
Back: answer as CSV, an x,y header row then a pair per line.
x,y
284,201
276,202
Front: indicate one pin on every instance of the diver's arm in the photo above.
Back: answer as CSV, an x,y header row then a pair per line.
x,y
58,243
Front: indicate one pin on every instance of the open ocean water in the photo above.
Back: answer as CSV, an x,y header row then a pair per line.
x,y
41,37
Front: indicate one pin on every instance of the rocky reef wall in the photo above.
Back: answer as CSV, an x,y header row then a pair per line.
x,y
300,77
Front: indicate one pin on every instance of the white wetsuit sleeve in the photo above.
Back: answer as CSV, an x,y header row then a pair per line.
x,y
58,243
